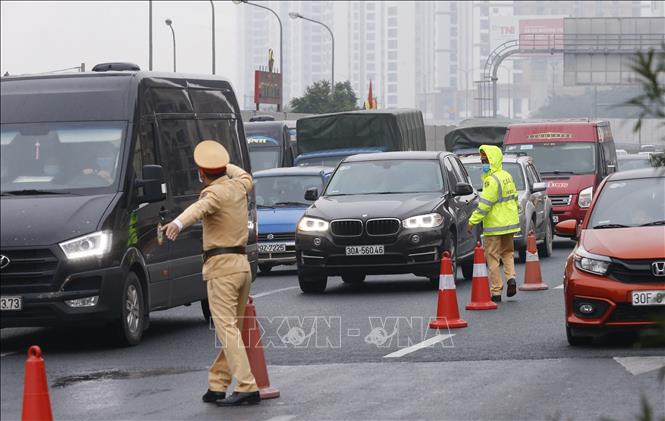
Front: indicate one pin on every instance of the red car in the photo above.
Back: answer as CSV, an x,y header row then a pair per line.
x,y
615,276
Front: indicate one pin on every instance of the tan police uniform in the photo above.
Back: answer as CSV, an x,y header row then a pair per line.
x,y
222,207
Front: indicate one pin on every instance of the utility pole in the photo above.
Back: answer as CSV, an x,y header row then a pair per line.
x,y
150,35
212,4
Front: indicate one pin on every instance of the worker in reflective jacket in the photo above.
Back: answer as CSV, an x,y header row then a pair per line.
x,y
498,211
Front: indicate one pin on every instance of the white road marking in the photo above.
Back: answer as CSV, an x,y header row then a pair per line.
x,y
263,294
559,287
641,365
282,418
424,344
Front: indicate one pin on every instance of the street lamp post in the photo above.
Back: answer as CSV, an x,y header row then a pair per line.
x,y
295,15
150,35
212,4
510,82
281,55
169,23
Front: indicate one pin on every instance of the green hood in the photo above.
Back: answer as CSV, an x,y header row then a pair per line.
x,y
494,156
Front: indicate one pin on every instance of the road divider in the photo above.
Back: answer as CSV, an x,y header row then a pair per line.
x,y
480,284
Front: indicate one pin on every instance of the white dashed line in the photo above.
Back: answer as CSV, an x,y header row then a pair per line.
x,y
263,294
421,345
641,365
559,287
282,418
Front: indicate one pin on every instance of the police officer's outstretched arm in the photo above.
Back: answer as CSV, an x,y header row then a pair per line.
x,y
209,202
488,197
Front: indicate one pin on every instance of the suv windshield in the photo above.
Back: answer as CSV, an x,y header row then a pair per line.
x,y
642,201
285,190
327,161
386,176
60,157
475,171
560,157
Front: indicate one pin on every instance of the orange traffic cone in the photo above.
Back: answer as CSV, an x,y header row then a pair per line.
x,y
480,288
447,312
533,280
251,336
36,403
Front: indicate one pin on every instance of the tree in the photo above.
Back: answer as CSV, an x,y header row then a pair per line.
x,y
649,67
318,100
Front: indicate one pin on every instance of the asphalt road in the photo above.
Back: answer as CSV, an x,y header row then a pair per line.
x,y
355,352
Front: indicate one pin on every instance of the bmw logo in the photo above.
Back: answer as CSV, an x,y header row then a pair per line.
x,y
4,261
270,237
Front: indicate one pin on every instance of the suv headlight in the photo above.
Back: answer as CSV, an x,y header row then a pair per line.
x,y
589,262
429,220
584,200
92,245
308,224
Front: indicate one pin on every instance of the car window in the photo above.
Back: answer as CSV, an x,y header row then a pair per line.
x,y
530,175
642,202
460,173
284,191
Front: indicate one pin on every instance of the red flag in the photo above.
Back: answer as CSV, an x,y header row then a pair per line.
x,y
370,97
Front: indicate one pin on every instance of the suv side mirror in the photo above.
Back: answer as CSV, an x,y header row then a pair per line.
x,y
538,187
462,189
567,228
152,187
311,194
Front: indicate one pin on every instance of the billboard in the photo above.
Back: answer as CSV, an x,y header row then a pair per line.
x,y
267,88
539,33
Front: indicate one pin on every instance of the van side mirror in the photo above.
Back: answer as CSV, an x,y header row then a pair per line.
x,y
538,187
567,228
152,187
311,194
462,189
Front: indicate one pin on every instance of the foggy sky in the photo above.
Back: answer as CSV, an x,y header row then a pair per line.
x,y
51,35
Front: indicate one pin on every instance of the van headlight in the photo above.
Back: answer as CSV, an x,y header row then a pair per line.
x,y
308,224
584,201
589,262
92,245
430,220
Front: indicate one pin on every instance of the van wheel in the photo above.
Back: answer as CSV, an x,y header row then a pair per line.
x,y
575,340
353,278
129,328
545,249
312,284
205,309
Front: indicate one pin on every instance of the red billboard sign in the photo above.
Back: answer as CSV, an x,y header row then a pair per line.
x,y
267,88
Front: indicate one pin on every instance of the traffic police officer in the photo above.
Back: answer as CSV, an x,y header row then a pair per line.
x,y
498,211
222,206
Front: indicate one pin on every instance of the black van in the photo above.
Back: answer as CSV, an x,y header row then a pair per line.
x,y
91,164
269,145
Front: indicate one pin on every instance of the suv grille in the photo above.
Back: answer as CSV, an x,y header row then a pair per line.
x,y
282,236
634,271
384,226
28,271
347,227
560,200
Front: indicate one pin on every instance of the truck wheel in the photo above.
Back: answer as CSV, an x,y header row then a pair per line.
x,y
205,309
129,328
353,278
545,249
312,284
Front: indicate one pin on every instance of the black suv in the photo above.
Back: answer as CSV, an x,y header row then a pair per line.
x,y
387,213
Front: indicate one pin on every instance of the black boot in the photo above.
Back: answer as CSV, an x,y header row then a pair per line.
x,y
241,398
212,396
512,287
496,298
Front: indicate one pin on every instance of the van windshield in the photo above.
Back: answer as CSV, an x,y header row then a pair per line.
x,y
560,157
60,157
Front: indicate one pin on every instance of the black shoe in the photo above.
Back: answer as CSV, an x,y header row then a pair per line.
x,y
496,298
241,398
212,396
512,287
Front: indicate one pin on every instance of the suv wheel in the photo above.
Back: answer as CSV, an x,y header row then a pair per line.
x,y
449,245
353,278
265,268
129,328
312,283
545,249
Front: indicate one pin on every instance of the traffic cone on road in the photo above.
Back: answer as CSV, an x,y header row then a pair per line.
x,y
251,337
447,312
480,288
36,402
533,280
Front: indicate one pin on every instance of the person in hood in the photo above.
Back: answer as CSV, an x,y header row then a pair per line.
x,y
498,211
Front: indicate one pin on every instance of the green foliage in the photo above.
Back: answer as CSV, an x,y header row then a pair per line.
x,y
650,69
318,100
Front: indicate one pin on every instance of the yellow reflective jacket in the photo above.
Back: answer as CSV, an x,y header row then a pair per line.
x,y
497,209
